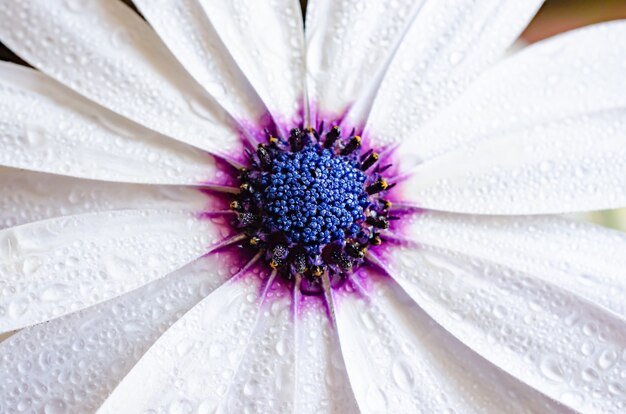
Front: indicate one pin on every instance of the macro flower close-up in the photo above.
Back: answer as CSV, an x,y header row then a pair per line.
x,y
249,206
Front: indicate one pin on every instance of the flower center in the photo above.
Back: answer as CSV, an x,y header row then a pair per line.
x,y
313,196
312,205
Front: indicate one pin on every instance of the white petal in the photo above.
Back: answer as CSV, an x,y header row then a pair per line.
x,y
549,338
321,380
448,45
105,51
27,196
266,39
583,258
399,360
71,364
187,31
264,380
58,266
573,164
47,127
578,72
231,352
349,46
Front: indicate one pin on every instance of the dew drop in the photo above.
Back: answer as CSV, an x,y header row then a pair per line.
x,y
54,293
34,137
250,388
55,407
403,375
499,311
30,265
551,369
589,375
587,348
132,326
616,389
17,308
201,109
281,347
367,320
607,358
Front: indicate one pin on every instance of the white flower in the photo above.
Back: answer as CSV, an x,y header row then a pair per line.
x,y
489,303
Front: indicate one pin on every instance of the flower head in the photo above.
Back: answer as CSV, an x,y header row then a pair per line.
x,y
221,209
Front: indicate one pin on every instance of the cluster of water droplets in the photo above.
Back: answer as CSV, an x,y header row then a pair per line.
x,y
74,362
49,276
541,333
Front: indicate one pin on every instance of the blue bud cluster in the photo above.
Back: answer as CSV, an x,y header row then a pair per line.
x,y
313,196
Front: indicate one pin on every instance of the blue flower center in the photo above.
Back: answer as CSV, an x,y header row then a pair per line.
x,y
311,205
314,196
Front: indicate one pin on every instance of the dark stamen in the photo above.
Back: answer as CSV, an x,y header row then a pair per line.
x,y
279,254
299,262
352,145
264,156
296,140
248,219
331,137
378,222
369,161
354,250
377,187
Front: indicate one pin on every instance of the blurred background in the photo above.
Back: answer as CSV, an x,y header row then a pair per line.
x,y
555,16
